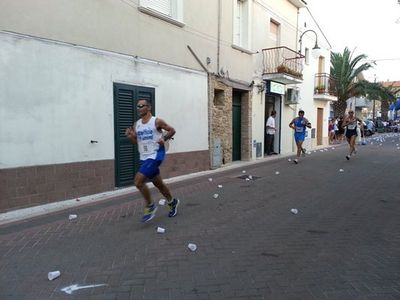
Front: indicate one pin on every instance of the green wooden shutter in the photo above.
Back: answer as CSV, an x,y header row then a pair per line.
x,y
125,114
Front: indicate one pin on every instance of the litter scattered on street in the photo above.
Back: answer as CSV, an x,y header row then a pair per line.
x,y
162,202
71,217
210,179
192,247
277,173
289,159
244,171
53,275
341,170
220,186
215,196
160,230
294,211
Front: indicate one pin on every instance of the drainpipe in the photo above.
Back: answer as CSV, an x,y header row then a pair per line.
x,y
219,34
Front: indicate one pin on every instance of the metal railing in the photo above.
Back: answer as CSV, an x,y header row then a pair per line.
x,y
283,60
324,84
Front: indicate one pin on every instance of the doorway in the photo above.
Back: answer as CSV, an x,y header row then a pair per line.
x,y
320,122
236,125
272,102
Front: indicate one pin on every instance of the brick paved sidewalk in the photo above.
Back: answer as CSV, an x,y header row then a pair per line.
x,y
343,244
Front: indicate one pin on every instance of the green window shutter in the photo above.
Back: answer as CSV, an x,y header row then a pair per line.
x,y
125,114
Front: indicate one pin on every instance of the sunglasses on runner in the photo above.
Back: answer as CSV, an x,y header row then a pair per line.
x,y
141,105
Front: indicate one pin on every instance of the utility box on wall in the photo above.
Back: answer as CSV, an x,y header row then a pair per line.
x,y
216,154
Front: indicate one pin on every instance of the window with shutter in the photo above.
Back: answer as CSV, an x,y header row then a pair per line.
x,y
167,10
162,6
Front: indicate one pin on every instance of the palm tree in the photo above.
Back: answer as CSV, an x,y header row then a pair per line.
x,y
346,72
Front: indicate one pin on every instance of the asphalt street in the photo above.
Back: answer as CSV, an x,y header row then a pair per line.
x,y
343,243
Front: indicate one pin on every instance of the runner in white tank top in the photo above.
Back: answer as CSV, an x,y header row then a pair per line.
x,y
147,133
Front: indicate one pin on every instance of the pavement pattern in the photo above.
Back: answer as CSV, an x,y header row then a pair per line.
x,y
344,242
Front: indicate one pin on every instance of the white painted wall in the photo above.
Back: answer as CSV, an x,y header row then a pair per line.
x,y
55,98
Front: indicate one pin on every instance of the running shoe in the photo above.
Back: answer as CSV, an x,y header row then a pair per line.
x,y
347,157
173,208
149,213
296,161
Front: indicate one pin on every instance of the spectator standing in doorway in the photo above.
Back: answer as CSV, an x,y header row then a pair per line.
x,y
270,131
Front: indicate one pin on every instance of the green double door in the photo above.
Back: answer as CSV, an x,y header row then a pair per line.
x,y
125,114
236,126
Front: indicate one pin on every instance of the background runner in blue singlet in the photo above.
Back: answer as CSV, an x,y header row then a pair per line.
x,y
299,125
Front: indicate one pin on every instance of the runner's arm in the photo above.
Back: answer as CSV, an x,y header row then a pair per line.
x,y
162,125
130,133
291,124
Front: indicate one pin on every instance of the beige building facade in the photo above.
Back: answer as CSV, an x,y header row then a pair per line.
x,y
214,69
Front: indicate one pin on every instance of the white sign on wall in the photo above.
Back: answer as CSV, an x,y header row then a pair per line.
x,y
277,88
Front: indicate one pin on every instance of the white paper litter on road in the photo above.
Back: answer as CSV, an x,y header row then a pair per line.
x,y
210,179
192,247
277,173
162,202
160,230
341,170
53,275
220,186
71,217
215,196
294,211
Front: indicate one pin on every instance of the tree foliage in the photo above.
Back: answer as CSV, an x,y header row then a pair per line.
x,y
347,72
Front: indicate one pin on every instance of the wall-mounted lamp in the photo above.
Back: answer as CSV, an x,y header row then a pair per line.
x,y
316,51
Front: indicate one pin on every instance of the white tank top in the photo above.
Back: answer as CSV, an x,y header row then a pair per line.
x,y
147,138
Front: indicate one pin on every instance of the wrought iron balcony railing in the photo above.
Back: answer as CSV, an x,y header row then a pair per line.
x,y
283,60
324,84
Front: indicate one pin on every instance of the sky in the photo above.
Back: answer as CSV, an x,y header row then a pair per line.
x,y
366,26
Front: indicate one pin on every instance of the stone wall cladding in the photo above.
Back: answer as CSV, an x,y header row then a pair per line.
x,y
246,126
221,118
29,186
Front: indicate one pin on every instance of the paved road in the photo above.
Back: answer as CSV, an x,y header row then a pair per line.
x,y
344,243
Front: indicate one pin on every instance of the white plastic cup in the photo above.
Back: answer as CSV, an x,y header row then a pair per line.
x,y
53,275
160,230
215,196
192,247
294,211
71,217
162,202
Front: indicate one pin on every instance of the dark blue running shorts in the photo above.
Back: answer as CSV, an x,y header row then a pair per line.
x,y
150,168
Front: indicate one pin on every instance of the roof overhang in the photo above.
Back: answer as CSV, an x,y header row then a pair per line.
x,y
282,78
298,3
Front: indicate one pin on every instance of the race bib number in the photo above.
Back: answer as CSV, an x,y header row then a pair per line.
x,y
352,126
299,129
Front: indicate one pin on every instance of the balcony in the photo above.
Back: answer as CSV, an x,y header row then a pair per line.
x,y
325,87
282,65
